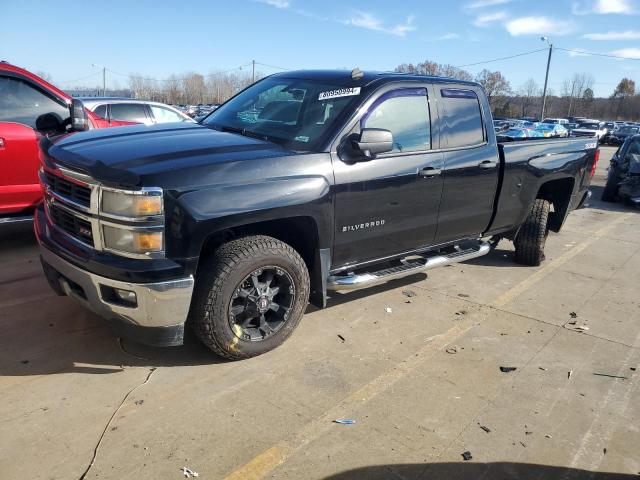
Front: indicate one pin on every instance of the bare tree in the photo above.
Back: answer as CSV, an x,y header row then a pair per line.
x,y
429,67
529,93
494,84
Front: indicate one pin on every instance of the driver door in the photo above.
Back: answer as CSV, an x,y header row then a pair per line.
x,y
389,205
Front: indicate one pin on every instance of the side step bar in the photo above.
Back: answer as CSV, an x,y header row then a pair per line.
x,y
355,281
7,220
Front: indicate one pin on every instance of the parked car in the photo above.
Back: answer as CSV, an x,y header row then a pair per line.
x,y
552,130
590,128
337,182
30,107
133,111
623,179
556,121
519,133
621,133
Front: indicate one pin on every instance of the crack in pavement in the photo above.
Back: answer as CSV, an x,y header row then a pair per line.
x,y
104,432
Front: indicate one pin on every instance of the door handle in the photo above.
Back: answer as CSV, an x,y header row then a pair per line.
x,y
429,172
486,164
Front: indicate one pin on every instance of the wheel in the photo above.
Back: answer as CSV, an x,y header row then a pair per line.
x,y
610,192
249,297
533,233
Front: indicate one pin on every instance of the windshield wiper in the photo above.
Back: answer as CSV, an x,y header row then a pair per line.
x,y
246,133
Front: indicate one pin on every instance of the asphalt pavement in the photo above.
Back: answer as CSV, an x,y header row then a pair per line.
x,y
416,364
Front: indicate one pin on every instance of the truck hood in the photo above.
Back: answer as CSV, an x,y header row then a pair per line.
x,y
136,155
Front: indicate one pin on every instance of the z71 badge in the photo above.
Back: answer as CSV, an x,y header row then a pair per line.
x,y
362,226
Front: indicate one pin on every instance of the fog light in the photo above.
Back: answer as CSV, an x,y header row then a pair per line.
x,y
126,296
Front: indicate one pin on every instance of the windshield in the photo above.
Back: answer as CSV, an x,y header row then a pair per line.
x,y
297,114
590,126
545,126
628,129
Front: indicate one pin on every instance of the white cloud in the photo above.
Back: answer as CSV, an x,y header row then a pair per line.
x,y
449,36
282,4
487,3
628,35
538,26
371,22
631,52
603,7
489,18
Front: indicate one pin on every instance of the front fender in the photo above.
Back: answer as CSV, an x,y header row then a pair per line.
x,y
221,201
200,214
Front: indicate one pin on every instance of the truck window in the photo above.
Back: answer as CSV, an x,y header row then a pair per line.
x,y
461,118
164,115
300,114
405,112
101,111
20,102
128,112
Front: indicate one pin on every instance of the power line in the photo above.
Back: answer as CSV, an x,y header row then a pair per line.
x,y
583,52
502,58
81,78
129,75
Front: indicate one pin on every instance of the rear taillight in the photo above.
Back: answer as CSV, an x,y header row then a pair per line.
x,y
596,157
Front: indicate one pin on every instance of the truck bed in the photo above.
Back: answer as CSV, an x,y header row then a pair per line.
x,y
526,164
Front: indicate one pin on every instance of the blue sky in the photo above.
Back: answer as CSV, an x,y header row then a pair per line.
x,y
158,38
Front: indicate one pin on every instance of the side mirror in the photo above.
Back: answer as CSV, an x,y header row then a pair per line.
x,y
373,141
79,119
49,122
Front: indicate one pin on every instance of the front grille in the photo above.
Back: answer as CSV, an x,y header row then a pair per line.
x,y
68,189
73,225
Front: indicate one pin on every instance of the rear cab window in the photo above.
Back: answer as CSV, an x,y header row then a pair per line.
x,y
461,119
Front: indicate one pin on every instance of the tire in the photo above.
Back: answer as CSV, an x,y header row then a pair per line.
x,y
532,236
610,192
223,284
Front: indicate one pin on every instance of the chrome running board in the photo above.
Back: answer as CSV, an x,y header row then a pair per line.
x,y
418,263
7,220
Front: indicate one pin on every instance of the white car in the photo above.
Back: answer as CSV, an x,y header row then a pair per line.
x,y
590,128
559,121
132,110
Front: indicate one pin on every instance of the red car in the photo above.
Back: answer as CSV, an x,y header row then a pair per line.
x,y
29,108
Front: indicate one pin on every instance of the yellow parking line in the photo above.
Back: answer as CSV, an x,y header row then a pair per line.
x,y
550,267
261,465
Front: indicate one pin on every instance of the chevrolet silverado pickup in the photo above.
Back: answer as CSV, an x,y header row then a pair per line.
x,y
303,184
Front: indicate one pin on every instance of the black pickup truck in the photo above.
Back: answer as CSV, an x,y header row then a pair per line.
x,y
303,184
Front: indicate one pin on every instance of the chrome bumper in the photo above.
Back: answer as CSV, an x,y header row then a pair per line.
x,y
162,304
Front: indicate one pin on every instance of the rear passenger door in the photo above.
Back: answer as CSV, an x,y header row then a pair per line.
x,y
471,163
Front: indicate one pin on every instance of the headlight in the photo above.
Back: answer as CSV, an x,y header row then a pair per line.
x,y
132,241
138,204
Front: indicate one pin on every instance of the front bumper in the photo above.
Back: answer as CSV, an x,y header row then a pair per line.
x,y
161,308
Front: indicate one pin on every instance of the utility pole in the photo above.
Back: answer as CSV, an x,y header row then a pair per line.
x,y
546,78
573,87
253,71
104,78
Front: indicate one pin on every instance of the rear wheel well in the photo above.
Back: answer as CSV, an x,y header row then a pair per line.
x,y
558,193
